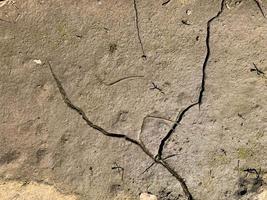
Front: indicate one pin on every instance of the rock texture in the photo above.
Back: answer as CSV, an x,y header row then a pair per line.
x,y
146,196
30,191
174,94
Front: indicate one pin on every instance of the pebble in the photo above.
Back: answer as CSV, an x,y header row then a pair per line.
x,y
146,196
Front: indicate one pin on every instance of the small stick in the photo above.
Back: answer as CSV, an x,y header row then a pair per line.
x,y
119,168
152,164
258,71
155,87
166,2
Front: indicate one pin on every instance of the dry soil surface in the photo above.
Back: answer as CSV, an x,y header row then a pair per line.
x,y
171,96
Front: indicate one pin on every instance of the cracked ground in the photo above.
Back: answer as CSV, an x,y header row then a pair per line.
x,y
109,99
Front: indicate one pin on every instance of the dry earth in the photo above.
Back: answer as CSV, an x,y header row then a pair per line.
x,y
195,69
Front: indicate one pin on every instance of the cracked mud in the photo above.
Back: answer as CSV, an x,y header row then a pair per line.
x,y
140,130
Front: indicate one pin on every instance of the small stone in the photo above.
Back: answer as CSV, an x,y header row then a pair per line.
x,y
188,12
38,62
263,195
146,196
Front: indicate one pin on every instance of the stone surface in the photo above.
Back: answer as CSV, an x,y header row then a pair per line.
x,y
146,196
94,50
31,191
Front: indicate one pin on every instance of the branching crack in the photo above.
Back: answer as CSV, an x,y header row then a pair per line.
x,y
101,130
199,102
157,159
137,28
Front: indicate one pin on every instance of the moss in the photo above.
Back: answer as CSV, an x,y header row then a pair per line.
x,y
220,160
244,153
62,29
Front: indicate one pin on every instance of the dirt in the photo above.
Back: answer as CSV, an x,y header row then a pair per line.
x,y
161,97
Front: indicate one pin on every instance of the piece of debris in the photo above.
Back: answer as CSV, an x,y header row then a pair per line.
x,y
112,48
38,62
259,4
257,70
155,87
119,168
185,22
166,2
241,116
188,12
119,80
223,151
146,196
253,171
250,182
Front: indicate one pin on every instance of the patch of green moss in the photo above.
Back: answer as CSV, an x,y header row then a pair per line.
x,y
220,160
61,28
244,153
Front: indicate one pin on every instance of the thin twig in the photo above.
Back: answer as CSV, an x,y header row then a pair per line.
x,y
119,80
166,2
155,87
258,71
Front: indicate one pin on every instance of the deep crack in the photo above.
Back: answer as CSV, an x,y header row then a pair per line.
x,y
202,90
260,7
208,52
140,144
137,28
171,131
179,118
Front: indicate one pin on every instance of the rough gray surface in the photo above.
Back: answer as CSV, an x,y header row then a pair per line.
x,y
93,45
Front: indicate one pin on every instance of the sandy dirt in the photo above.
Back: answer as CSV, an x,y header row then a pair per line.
x,y
161,97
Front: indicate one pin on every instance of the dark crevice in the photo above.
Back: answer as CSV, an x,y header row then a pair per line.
x,y
260,7
137,28
68,102
208,53
140,144
171,131
202,90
